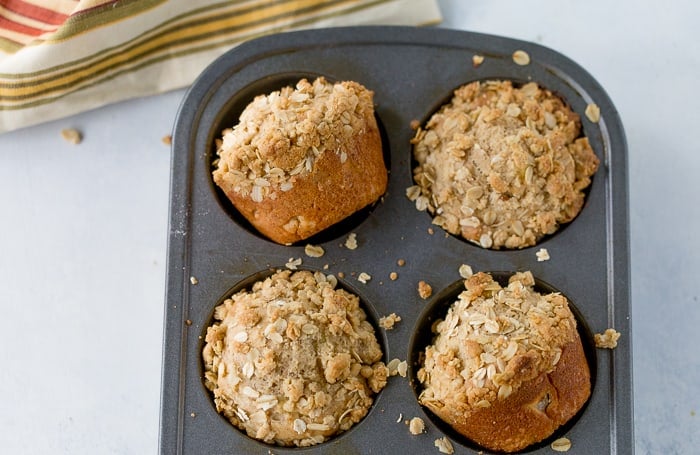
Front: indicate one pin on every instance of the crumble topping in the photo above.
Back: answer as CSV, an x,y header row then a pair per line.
x,y
293,360
305,122
486,336
502,166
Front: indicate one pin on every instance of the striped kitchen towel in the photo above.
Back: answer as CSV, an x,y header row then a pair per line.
x,y
61,57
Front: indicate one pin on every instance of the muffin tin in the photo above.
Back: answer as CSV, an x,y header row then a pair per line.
x,y
213,251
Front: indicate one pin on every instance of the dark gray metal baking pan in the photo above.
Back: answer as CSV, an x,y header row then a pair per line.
x,y
412,71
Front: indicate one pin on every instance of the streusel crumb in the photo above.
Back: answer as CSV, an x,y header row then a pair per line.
x,y
607,339
388,322
424,290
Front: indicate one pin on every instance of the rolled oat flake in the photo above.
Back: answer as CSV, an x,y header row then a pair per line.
x,y
521,57
561,445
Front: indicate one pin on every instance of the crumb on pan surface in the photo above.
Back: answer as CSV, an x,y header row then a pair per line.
x,y
293,361
607,339
314,251
561,445
493,364
444,445
521,57
542,255
424,290
502,166
416,426
389,321
296,153
351,241
593,112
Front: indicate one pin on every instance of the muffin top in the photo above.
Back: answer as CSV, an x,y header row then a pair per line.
x,y
494,339
293,361
280,135
502,166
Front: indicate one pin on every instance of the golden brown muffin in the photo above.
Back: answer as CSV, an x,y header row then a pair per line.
x,y
302,159
502,166
507,366
293,361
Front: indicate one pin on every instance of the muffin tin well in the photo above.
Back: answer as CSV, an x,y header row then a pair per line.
x,y
423,336
412,71
247,283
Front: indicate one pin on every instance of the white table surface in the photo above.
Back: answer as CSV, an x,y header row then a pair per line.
x,y
84,234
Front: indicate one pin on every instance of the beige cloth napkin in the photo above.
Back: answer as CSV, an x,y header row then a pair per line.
x,y
61,57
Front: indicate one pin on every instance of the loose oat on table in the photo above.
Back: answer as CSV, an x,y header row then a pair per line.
x,y
293,360
388,322
444,445
542,255
393,276
400,418
401,262
364,277
477,60
502,166
416,425
607,339
521,57
72,135
313,251
561,445
351,241
194,280
188,322
593,112
424,290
